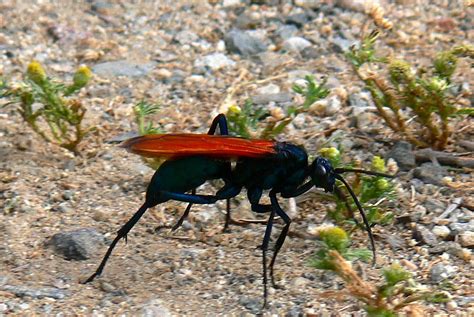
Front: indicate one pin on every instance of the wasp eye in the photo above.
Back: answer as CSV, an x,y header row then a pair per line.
x,y
320,170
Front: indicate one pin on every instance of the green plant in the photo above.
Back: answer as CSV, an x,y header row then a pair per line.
x,y
397,293
47,105
335,238
372,191
247,121
425,94
141,110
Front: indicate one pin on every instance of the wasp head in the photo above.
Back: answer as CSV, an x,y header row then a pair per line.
x,y
322,174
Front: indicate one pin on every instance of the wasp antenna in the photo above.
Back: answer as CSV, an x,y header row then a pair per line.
x,y
355,170
364,218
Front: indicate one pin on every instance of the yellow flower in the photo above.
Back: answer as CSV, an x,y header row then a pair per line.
x,y
234,110
378,164
333,233
330,153
82,77
36,73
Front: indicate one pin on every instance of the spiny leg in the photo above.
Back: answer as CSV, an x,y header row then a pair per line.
x,y
122,233
281,237
266,241
185,214
150,202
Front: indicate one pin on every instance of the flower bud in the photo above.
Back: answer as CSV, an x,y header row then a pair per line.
x,y
378,164
330,153
382,184
82,77
36,73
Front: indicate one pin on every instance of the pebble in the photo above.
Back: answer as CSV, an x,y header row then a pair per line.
x,y
264,99
243,43
286,31
459,227
78,244
214,61
153,308
340,45
402,153
430,173
451,305
268,89
439,272
441,232
299,19
424,235
123,68
466,239
299,282
186,37
22,291
296,44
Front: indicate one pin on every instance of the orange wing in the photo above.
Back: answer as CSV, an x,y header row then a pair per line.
x,y
187,144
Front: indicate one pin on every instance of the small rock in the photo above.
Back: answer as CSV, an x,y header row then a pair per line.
x,y
298,19
340,45
123,68
424,235
214,61
310,4
450,247
247,21
282,97
296,44
76,245
459,227
286,31
155,308
244,44
402,153
230,3
3,307
466,239
430,173
268,89
439,272
68,194
360,101
441,232
22,291
295,311
69,165
186,37
65,208
311,52
451,305
394,241
434,205
252,304
299,282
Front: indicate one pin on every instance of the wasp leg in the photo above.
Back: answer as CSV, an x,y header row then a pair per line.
x,y
122,233
265,243
282,236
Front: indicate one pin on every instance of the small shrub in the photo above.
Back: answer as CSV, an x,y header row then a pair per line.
x,y
397,293
47,106
425,94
